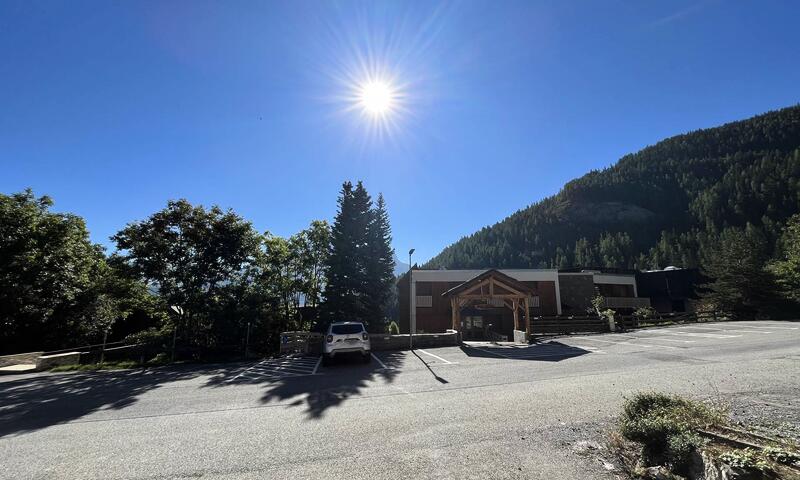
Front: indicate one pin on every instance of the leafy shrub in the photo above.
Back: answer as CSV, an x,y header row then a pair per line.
x,y
781,455
680,448
644,312
664,425
746,459
393,328
151,336
160,359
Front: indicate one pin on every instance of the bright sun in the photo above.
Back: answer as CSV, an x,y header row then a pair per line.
x,y
376,97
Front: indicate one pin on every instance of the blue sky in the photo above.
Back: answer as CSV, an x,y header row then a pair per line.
x,y
112,108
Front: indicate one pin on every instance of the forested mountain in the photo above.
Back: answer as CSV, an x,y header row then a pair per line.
x,y
664,205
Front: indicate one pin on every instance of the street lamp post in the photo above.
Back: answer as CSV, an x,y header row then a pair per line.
x,y
410,303
179,311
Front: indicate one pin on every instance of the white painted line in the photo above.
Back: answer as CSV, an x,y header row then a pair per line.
x,y
748,331
246,370
667,339
434,356
591,349
319,360
547,355
279,370
383,365
700,335
772,327
729,330
490,352
632,344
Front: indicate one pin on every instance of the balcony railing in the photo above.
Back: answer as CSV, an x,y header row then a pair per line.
x,y
626,302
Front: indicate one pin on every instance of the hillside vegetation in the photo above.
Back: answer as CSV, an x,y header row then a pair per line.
x,y
667,204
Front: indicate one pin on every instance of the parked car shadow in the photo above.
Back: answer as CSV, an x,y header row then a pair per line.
x,y
32,403
544,352
330,387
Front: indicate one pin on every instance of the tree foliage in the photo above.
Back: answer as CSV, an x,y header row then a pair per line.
x,y
194,258
736,265
55,285
360,265
786,267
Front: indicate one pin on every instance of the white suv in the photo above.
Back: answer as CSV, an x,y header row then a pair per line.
x,y
346,337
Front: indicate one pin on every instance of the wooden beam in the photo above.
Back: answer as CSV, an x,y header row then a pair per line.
x,y
516,314
453,306
509,288
476,287
479,297
458,318
527,317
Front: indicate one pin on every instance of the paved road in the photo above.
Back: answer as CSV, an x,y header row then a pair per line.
x,y
479,411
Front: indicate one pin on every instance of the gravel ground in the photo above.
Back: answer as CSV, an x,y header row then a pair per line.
x,y
774,413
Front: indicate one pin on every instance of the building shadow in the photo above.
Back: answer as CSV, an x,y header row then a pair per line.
x,y
330,387
551,351
32,403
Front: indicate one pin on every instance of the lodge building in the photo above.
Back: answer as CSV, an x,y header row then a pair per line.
x,y
492,304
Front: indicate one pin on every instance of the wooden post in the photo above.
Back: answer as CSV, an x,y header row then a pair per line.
x,y
528,317
458,316
515,307
454,308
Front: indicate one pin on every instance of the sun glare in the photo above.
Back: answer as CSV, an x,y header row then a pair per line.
x,y
376,97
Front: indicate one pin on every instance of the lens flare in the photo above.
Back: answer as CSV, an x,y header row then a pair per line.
x,y
376,97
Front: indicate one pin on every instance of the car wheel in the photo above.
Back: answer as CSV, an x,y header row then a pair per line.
x,y
367,357
326,360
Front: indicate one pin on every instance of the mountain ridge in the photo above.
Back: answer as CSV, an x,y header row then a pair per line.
x,y
661,205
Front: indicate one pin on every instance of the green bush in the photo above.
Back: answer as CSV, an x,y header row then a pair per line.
x,y
393,328
151,336
680,447
745,459
644,312
664,425
781,455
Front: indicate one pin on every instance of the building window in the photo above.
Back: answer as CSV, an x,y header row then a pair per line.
x,y
424,300
535,301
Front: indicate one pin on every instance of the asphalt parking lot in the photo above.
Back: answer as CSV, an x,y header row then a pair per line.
x,y
480,410
676,341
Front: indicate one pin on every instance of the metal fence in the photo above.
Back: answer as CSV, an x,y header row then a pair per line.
x,y
595,324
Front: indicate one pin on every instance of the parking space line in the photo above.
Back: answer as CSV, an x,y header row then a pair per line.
x,y
667,339
634,344
491,352
319,360
729,330
286,369
383,365
434,356
246,370
678,333
773,327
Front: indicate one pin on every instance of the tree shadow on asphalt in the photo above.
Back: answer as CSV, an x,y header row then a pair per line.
x,y
330,387
544,352
32,403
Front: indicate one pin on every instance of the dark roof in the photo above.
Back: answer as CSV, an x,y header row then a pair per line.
x,y
510,281
676,284
606,270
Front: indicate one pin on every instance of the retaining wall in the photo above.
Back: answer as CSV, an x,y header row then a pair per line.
x,y
421,340
19,359
49,361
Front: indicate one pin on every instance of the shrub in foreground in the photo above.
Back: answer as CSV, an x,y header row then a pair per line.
x,y
664,425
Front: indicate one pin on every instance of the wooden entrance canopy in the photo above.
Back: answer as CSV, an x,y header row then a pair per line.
x,y
492,285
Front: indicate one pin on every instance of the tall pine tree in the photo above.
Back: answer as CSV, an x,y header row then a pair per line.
x,y
736,264
361,262
379,266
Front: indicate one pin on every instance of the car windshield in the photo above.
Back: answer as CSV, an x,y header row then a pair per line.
x,y
347,329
